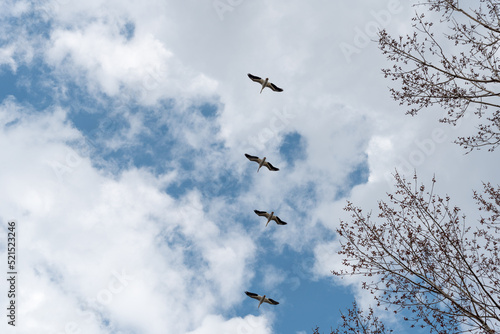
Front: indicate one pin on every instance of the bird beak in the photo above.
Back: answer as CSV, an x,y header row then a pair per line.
x,y
263,298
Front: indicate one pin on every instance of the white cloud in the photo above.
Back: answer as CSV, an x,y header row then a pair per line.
x,y
272,277
108,62
77,217
248,324
97,246
6,56
12,8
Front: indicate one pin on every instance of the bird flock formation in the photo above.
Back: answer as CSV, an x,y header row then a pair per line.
x,y
262,162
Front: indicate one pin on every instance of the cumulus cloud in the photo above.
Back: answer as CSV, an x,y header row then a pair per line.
x,y
102,247
249,324
109,63
175,232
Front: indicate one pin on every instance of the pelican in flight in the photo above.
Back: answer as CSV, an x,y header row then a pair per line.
x,y
265,83
270,217
261,162
261,299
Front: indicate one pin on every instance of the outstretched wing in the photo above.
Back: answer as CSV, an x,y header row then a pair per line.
x,y
252,158
253,295
275,88
279,221
271,167
272,301
255,78
261,213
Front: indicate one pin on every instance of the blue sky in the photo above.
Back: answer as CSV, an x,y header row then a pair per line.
x,y
123,133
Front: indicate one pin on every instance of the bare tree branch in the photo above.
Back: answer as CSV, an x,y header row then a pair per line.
x,y
422,258
455,69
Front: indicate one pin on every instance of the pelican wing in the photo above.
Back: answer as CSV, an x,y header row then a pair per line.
x,y
253,295
274,87
271,301
255,78
253,158
271,167
279,221
261,213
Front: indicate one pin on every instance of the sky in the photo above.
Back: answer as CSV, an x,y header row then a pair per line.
x,y
123,129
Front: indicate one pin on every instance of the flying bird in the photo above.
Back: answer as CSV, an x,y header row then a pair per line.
x,y
261,162
270,217
265,83
261,299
